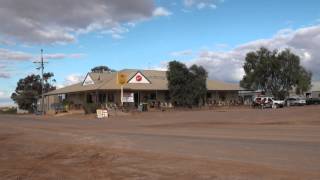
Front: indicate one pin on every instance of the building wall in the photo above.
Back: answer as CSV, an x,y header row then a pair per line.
x,y
315,94
222,97
147,96
162,96
77,98
49,102
117,97
153,98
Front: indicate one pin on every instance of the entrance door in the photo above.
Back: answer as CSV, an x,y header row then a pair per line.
x,y
136,99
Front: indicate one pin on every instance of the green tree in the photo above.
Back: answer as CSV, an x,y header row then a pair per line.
x,y
304,82
178,86
198,78
186,86
47,77
100,69
275,72
28,90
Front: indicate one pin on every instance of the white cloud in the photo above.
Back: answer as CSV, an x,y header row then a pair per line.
x,y
213,6
3,72
5,99
161,11
201,4
71,79
116,32
74,78
4,75
227,65
2,94
221,46
182,53
162,67
188,3
63,56
48,22
6,54
7,42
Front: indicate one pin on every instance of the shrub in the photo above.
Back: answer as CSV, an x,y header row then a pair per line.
x,y
90,108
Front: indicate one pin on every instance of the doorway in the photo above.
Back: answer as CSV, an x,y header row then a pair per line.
x,y
136,99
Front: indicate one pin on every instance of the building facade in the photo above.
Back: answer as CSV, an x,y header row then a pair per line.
x,y
145,86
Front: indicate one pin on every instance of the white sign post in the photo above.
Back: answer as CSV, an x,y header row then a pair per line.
x,y
121,95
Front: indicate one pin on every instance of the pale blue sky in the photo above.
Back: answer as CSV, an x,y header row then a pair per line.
x,y
207,32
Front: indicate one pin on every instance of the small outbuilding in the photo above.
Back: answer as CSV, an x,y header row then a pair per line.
x,y
314,91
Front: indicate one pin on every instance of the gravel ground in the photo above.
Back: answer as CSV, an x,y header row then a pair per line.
x,y
228,143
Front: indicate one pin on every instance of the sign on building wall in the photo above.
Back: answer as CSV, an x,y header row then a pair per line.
x,y
139,78
128,97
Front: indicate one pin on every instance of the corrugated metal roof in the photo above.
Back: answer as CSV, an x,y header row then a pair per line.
x,y
222,86
158,79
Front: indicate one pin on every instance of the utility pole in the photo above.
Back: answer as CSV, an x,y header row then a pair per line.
x,y
42,81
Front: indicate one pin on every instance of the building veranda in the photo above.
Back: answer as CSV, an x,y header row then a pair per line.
x,y
149,87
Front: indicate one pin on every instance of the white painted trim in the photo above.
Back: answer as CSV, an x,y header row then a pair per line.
x,y
88,80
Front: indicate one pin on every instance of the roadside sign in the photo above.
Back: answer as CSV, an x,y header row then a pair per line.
x,y
122,78
102,113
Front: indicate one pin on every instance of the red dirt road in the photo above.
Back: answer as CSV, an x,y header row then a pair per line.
x,y
218,144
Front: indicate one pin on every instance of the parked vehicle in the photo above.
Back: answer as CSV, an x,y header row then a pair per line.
x,y
256,102
313,101
267,102
295,101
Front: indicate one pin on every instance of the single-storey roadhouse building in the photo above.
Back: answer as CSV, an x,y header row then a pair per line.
x,y
143,86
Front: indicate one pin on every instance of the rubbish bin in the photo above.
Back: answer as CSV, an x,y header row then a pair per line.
x,y
144,107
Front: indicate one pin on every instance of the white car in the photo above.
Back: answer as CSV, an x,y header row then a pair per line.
x,y
295,101
269,102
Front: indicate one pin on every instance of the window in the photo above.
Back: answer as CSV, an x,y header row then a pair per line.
x,y
89,98
222,96
153,96
209,95
110,97
62,97
102,98
167,96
